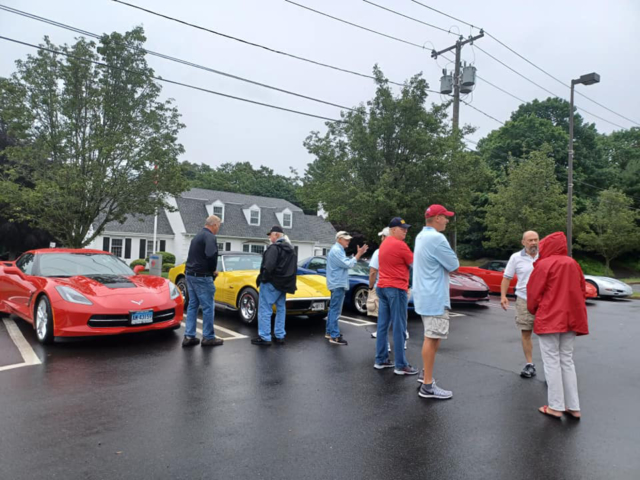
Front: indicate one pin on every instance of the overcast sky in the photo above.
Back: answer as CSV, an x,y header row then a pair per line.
x,y
566,38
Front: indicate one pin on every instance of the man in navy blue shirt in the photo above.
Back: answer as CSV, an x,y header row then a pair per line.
x,y
201,270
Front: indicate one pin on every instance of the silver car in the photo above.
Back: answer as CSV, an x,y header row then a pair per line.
x,y
609,287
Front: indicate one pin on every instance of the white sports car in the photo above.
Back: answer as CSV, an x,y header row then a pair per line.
x,y
609,287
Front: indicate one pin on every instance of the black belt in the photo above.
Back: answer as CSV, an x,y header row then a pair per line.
x,y
195,274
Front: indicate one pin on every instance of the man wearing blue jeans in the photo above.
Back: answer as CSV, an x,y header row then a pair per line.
x,y
277,278
393,283
201,270
338,266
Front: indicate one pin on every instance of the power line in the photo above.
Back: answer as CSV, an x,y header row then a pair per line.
x,y
600,188
166,80
405,16
354,25
535,66
257,45
174,59
484,113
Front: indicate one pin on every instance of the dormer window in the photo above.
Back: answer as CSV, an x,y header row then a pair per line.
x,y
254,219
286,220
216,208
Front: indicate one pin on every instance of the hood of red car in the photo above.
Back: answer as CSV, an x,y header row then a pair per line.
x,y
106,285
468,280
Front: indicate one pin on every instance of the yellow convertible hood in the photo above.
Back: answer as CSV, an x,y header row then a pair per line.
x,y
311,286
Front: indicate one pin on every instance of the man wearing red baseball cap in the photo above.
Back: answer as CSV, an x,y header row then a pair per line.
x,y
433,259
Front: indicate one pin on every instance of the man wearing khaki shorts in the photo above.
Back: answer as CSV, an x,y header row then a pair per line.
x,y
433,259
521,265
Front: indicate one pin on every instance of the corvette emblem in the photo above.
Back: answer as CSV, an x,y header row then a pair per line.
x,y
137,303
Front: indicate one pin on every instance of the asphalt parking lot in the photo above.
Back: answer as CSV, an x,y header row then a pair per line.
x,y
140,406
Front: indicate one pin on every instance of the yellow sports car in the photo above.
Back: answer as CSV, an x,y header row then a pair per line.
x,y
236,288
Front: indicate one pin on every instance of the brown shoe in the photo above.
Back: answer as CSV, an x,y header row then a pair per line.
x,y
211,342
190,341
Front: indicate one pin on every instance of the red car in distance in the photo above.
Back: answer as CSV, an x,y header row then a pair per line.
x,y
491,272
78,292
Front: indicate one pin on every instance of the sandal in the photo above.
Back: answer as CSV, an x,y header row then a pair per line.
x,y
545,409
573,414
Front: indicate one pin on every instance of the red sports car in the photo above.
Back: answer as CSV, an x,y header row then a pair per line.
x,y
491,272
73,293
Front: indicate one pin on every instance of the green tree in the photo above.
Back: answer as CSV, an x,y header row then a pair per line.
x,y
610,227
622,152
99,144
529,198
390,157
242,177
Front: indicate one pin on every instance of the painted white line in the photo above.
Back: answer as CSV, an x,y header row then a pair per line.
x,y
235,335
360,321
28,355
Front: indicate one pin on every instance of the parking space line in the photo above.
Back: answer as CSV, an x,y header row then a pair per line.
x,y
234,335
355,321
28,355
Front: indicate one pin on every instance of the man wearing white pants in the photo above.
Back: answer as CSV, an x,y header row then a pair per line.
x,y
555,295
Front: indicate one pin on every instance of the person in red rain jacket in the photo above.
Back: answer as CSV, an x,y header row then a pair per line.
x,y
556,296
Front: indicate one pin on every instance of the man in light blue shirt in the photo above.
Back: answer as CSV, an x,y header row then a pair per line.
x,y
433,259
338,266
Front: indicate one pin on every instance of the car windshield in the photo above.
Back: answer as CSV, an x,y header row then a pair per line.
x,y
241,262
86,264
360,268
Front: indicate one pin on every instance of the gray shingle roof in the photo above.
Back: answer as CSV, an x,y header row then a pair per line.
x,y
305,227
140,224
240,198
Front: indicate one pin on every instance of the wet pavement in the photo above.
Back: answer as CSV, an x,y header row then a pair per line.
x,y
140,406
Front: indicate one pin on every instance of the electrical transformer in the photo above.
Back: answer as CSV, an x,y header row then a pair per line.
x,y
446,83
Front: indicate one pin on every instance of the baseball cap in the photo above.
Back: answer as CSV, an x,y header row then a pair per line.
x,y
275,228
385,232
436,209
398,222
343,234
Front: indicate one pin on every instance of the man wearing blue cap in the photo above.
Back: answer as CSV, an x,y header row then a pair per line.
x,y
393,284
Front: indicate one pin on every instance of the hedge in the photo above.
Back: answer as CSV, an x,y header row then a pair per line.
x,y
167,266
139,261
167,257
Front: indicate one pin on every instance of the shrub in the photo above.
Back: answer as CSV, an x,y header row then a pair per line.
x,y
167,257
140,261
590,266
167,266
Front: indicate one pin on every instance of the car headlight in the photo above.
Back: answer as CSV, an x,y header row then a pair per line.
x,y
455,282
173,291
70,295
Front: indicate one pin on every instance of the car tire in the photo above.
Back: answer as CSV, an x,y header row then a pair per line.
x,y
595,285
359,299
43,321
182,286
248,306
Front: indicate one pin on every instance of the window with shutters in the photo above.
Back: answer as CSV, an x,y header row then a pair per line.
x,y
253,248
116,247
127,248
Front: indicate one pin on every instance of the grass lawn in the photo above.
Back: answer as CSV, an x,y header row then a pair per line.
x,y
146,272
630,280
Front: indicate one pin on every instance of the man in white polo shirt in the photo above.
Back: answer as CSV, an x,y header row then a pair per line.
x,y
521,265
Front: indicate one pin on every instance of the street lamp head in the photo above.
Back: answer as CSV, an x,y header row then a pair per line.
x,y
588,79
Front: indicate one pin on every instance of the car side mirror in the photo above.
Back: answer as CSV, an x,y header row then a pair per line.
x,y
137,269
14,271
322,271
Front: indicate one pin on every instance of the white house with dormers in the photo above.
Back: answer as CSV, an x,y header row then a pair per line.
x,y
246,219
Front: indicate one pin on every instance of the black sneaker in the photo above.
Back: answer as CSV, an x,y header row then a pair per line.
x,y
212,342
190,341
385,364
260,341
338,340
279,341
528,371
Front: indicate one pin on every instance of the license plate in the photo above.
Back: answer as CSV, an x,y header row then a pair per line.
x,y
142,318
317,306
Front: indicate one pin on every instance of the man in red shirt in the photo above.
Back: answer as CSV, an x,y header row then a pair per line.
x,y
393,283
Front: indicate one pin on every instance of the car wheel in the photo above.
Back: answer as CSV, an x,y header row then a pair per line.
x,y
595,285
360,300
182,286
248,305
44,321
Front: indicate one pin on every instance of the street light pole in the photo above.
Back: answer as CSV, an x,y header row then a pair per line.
x,y
588,79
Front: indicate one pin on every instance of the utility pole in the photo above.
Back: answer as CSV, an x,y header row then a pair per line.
x,y
456,77
456,97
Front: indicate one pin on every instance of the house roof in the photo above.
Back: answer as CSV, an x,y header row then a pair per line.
x,y
240,198
304,227
140,224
